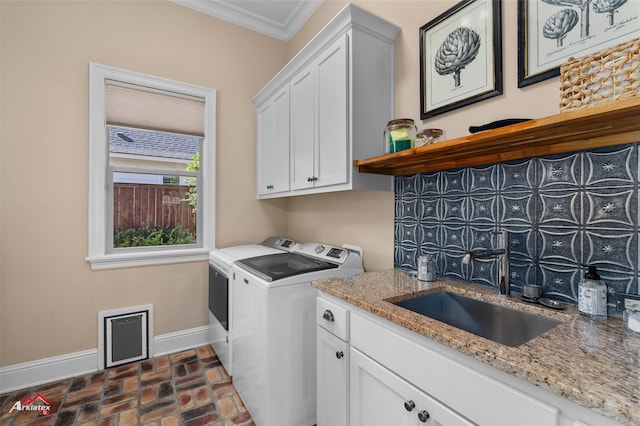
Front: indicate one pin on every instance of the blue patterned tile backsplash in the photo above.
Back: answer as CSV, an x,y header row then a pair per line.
x,y
563,212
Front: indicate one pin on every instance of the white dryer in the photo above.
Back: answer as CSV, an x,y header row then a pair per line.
x,y
220,275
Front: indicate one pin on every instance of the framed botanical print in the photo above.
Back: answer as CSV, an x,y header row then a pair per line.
x,y
461,57
552,31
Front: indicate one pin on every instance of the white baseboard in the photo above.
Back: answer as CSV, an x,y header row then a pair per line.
x,y
33,373
181,340
27,374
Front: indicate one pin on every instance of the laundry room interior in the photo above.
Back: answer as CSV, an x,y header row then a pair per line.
x,y
226,216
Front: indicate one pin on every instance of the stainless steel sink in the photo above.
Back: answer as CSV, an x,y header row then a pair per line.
x,y
495,322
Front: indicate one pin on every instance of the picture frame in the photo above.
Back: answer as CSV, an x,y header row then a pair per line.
x,y
452,77
552,31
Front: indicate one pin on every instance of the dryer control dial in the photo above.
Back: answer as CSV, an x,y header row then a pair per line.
x,y
320,249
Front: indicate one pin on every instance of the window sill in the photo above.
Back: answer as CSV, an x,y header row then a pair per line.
x,y
149,258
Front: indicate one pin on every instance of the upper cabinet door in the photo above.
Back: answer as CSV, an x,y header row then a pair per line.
x,y
302,129
341,95
332,143
273,144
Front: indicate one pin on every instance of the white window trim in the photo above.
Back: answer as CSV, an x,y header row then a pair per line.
x,y
99,257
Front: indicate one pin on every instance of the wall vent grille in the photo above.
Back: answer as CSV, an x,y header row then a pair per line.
x,y
125,335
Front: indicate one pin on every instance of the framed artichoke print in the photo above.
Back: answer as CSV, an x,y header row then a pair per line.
x,y
552,31
461,57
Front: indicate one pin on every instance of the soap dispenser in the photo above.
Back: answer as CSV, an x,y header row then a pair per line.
x,y
592,295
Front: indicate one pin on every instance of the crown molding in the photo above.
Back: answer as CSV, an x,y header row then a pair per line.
x,y
235,12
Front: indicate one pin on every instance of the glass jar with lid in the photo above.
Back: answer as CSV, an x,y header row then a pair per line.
x,y
426,268
428,136
399,134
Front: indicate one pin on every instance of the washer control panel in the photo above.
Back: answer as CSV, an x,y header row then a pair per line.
x,y
323,251
279,243
336,253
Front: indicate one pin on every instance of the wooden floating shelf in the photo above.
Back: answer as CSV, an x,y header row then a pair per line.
x,y
606,124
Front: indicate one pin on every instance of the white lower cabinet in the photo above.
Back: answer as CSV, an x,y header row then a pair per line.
x,y
332,380
381,398
473,395
332,346
394,377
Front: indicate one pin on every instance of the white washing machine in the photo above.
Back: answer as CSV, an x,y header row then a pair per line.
x,y
274,338
220,275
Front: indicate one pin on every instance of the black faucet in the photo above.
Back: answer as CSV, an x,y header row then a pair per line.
x,y
503,253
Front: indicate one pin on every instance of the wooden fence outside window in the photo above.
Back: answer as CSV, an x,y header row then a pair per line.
x,y
136,205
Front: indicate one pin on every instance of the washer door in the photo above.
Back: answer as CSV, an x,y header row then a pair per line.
x,y
219,295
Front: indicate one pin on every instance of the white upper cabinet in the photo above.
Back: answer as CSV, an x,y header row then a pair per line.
x,y
331,162
340,96
302,129
273,144
319,120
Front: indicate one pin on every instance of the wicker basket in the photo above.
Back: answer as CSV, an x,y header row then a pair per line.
x,y
604,76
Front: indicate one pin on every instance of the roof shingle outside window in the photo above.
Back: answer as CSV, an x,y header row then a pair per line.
x,y
152,144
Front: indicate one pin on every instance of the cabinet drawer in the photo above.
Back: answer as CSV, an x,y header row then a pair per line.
x,y
333,318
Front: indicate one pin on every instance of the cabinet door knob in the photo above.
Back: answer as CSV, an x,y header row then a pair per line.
x,y
309,179
423,416
409,405
246,281
328,315
339,354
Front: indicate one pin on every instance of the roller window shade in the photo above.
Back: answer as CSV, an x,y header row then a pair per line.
x,y
142,108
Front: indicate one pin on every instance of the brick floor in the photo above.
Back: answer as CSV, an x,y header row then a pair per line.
x,y
189,388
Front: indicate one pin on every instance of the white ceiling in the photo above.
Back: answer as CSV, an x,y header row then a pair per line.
x,y
276,18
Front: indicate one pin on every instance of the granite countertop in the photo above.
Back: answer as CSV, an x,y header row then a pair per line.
x,y
592,363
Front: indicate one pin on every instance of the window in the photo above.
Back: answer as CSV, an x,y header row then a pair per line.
x,y
153,184
151,169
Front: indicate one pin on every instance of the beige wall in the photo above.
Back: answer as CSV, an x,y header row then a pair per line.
x,y
368,216
45,284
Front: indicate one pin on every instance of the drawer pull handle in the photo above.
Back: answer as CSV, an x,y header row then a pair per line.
x,y
328,315
409,405
339,354
423,416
